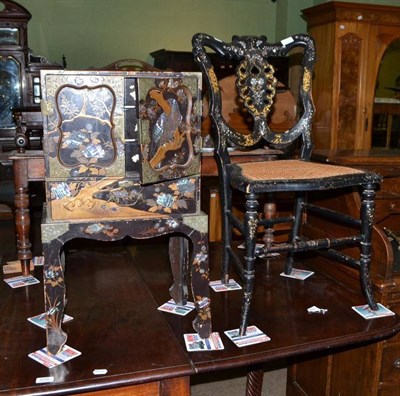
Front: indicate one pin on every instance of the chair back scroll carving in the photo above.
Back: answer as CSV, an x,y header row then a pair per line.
x,y
256,84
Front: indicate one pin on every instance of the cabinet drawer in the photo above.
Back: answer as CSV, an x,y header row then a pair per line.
x,y
390,370
394,300
121,198
391,389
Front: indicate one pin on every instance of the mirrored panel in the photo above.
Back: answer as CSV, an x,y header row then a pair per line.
x,y
386,119
9,36
10,90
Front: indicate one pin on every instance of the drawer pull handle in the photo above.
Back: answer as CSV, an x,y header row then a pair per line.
x,y
396,363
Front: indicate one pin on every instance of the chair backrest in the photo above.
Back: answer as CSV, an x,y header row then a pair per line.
x,y
257,86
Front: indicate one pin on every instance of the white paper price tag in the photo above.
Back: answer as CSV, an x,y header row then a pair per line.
x,y
44,380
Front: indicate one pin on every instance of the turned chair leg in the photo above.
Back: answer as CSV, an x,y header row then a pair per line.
x,y
367,215
269,213
250,232
227,229
295,231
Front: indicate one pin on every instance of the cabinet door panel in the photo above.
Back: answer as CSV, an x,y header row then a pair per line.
x,y
169,127
83,125
350,45
390,371
355,84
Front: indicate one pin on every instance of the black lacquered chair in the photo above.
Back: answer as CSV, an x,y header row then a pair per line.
x,y
256,84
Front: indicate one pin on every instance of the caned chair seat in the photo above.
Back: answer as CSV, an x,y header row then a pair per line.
x,y
296,175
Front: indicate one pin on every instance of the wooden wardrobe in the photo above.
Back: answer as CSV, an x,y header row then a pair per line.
x,y
351,39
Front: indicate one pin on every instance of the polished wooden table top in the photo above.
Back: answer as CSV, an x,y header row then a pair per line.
x,y
113,293
279,309
116,327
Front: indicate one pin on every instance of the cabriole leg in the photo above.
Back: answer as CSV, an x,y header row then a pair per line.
x,y
54,296
179,257
200,278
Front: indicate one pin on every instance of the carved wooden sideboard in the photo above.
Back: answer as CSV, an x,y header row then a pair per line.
x,y
373,369
351,39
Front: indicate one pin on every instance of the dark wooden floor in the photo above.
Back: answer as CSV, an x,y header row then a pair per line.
x,y
113,293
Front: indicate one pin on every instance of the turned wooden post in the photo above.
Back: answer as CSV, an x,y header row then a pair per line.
x,y
22,218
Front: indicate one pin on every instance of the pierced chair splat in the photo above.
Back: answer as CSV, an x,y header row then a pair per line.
x,y
122,158
256,85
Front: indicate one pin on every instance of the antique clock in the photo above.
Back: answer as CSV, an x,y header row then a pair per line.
x,y
19,69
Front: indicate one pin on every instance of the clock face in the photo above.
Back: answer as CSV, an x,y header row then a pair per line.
x,y
10,90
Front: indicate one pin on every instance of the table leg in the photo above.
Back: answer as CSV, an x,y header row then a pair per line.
x,y
22,217
254,382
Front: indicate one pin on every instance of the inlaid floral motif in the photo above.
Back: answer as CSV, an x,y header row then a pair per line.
x,y
85,125
53,275
181,191
199,262
165,198
100,228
